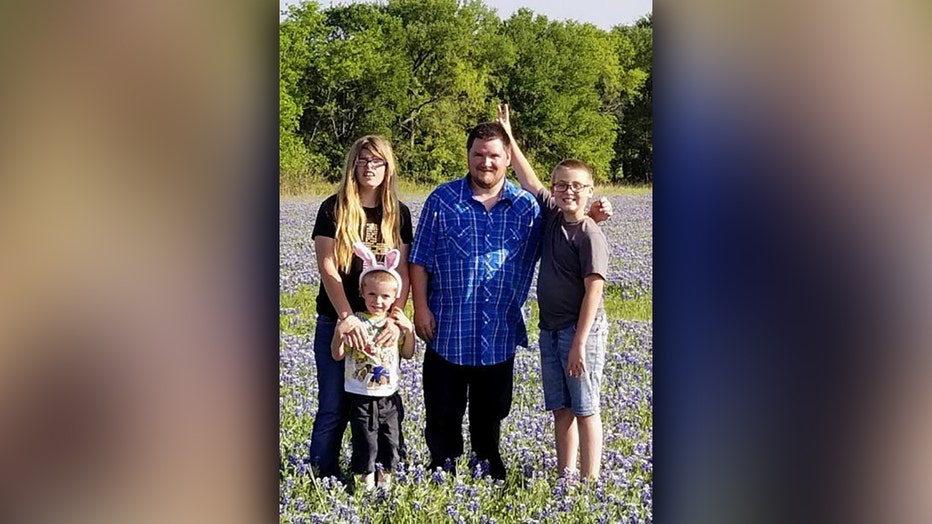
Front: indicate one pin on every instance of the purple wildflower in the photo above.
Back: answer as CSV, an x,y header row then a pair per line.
x,y
439,476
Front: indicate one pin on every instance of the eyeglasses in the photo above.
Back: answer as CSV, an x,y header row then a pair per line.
x,y
560,187
374,162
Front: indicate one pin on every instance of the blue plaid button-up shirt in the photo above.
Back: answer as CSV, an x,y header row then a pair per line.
x,y
479,265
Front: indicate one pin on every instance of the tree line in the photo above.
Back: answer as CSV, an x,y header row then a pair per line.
x,y
424,72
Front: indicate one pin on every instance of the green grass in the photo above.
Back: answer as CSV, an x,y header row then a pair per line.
x,y
616,307
615,304
305,301
619,307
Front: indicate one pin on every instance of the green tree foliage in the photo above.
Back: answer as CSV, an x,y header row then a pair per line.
x,y
447,46
634,150
555,89
423,72
302,39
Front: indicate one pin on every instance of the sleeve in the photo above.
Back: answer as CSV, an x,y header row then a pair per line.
x,y
537,228
593,253
326,224
407,230
548,206
425,236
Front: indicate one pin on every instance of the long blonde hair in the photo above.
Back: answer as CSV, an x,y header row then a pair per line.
x,y
351,217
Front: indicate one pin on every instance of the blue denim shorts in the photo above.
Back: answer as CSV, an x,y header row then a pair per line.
x,y
580,394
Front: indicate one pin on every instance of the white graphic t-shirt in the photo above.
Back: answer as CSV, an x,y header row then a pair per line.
x,y
373,372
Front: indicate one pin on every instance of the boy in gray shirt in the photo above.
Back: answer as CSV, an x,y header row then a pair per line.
x,y
573,327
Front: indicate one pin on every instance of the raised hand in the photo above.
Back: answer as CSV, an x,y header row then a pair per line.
x,y
503,118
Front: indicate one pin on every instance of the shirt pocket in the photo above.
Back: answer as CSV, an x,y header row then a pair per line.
x,y
459,240
515,240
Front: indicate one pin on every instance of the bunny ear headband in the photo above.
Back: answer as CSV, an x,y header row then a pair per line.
x,y
369,263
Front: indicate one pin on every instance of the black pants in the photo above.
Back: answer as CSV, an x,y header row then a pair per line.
x,y
376,432
447,387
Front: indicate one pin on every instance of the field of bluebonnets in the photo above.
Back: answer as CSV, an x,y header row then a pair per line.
x,y
533,491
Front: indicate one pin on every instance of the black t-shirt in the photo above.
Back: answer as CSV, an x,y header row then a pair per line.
x,y
326,226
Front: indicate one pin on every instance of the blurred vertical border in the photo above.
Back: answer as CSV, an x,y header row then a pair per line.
x,y
791,263
138,232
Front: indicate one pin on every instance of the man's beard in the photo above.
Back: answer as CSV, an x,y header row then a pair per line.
x,y
485,185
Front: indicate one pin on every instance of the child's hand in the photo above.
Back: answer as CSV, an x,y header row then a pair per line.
x,y
402,320
600,210
353,332
576,365
503,118
389,335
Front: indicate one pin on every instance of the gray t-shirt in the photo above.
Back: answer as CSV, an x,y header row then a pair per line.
x,y
571,251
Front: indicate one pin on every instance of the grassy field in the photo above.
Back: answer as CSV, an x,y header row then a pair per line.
x,y
533,491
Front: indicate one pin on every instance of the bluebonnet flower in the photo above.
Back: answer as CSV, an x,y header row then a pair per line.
x,y
300,505
419,474
528,471
480,469
559,490
302,468
439,476
327,483
401,475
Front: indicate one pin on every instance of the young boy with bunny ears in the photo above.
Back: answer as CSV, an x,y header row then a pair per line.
x,y
371,373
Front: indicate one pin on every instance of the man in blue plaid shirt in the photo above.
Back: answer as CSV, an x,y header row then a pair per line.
x,y
471,265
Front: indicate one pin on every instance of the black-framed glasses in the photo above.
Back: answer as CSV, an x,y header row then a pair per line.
x,y
374,162
560,187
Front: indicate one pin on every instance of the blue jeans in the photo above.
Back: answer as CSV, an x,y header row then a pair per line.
x,y
331,419
579,394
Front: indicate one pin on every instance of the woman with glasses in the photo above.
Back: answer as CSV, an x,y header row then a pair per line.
x,y
364,209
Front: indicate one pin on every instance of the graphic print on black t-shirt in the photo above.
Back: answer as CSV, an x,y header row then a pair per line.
x,y
371,238
326,226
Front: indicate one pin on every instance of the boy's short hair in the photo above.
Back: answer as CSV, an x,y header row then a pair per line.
x,y
575,164
379,276
488,131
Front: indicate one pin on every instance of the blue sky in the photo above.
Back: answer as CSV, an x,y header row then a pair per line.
x,y
602,13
